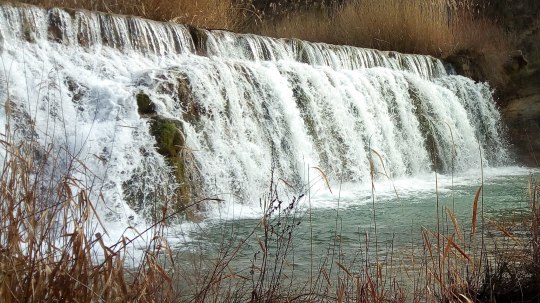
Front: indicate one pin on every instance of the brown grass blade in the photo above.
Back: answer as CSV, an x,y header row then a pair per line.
x,y
323,175
372,169
467,299
261,244
341,292
475,211
447,249
286,183
457,229
461,251
506,232
344,269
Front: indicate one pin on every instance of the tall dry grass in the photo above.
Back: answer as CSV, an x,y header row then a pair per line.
x,y
440,28
222,14
50,250
435,27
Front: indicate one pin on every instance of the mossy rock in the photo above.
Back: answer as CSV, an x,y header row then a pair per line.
x,y
170,144
145,105
168,136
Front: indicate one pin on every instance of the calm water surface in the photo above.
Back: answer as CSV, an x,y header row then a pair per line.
x,y
342,224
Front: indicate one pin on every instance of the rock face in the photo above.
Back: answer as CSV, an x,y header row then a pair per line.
x,y
521,111
522,116
520,98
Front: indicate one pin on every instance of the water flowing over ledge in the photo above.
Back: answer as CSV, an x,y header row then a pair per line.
x,y
89,29
226,109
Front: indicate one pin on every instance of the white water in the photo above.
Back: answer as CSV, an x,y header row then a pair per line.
x,y
259,103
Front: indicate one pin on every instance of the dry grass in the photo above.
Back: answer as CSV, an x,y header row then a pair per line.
x,y
48,250
222,14
48,253
438,27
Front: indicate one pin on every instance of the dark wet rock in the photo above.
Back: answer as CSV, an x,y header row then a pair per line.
x,y
76,89
516,62
145,106
429,133
521,114
199,37
23,129
55,29
468,63
192,110
518,93
28,31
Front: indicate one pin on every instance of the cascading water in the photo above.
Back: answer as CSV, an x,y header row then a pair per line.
x,y
244,105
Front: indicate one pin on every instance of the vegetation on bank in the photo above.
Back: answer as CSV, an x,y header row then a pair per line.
x,y
223,14
442,28
49,248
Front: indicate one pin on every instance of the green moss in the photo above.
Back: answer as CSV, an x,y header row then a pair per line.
x,y
168,137
170,144
144,104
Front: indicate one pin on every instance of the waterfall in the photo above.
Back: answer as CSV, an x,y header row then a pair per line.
x,y
242,106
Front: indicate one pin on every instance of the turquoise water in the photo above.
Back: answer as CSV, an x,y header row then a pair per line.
x,y
341,225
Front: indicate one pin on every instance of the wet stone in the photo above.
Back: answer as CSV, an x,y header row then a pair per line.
x,y
77,90
54,30
145,106
199,37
